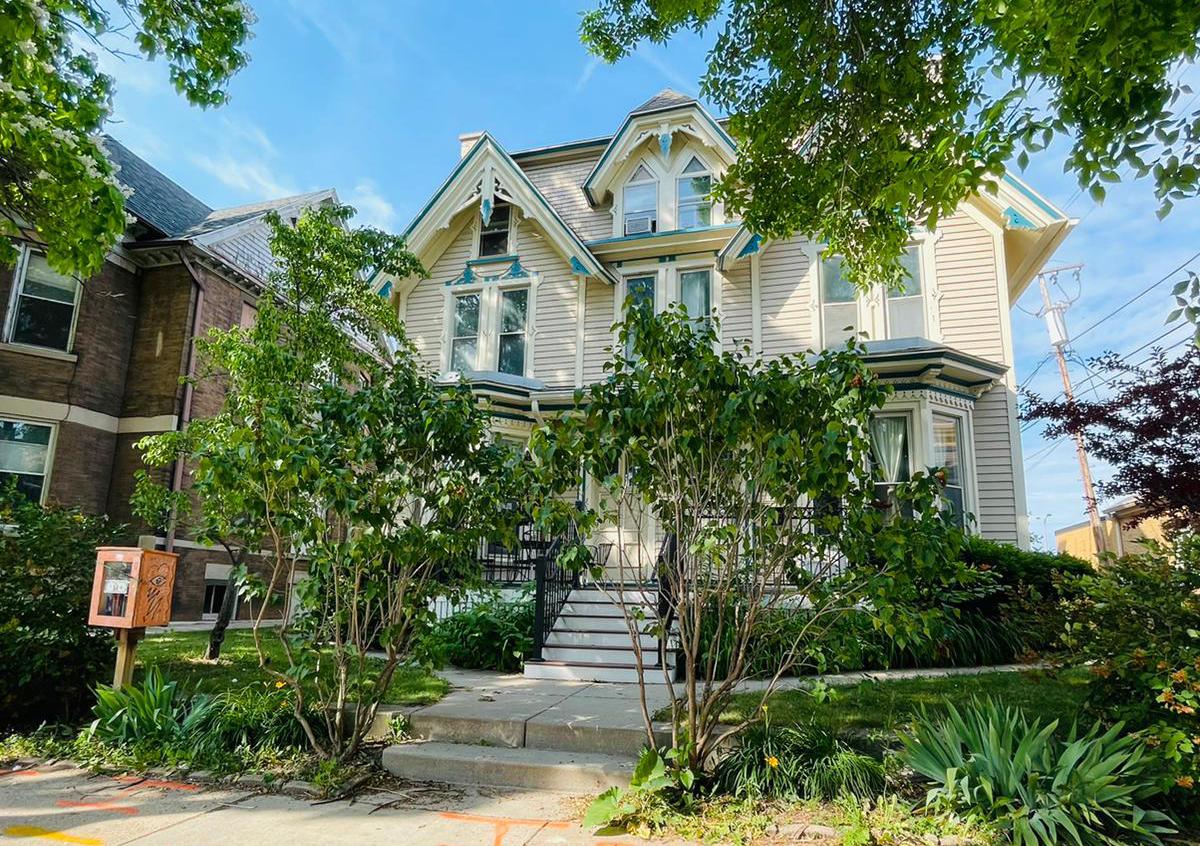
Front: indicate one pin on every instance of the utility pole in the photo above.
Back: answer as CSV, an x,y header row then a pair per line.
x,y
1056,325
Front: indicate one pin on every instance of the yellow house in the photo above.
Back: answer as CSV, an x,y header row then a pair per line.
x,y
1120,537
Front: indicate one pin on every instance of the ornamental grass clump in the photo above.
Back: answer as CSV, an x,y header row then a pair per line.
x,y
1089,789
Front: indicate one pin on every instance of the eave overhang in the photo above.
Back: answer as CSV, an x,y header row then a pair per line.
x,y
677,242
918,363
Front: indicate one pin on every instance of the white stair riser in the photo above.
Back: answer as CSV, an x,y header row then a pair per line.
x,y
606,609
643,597
601,656
605,624
598,673
563,637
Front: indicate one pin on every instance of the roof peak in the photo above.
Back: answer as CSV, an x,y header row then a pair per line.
x,y
664,99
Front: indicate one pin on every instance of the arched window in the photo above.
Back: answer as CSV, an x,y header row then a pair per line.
x,y
640,202
693,187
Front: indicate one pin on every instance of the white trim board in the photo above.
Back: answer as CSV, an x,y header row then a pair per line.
x,y
61,412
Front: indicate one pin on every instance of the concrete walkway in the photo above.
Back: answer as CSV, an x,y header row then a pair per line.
x,y
510,710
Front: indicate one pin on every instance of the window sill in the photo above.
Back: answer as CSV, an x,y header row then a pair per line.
x,y
40,352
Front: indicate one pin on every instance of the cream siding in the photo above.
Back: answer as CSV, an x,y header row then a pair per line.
x,y
970,314
561,183
786,298
736,309
555,309
425,311
597,329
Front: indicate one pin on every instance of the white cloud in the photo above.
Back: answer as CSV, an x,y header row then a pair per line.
x,y
678,81
252,177
372,209
245,130
586,73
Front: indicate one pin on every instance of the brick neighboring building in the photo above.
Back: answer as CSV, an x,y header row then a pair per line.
x,y
88,368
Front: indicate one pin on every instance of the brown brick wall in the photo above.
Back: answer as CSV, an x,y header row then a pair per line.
x,y
108,310
188,602
159,339
82,465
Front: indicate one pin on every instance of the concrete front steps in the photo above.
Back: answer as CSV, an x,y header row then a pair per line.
x,y
539,769
591,641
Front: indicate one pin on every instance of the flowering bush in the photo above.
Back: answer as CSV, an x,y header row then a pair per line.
x,y
1137,622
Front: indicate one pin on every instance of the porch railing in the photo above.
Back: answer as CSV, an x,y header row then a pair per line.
x,y
554,584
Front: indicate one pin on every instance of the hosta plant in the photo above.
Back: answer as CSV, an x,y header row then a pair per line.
x,y
1041,787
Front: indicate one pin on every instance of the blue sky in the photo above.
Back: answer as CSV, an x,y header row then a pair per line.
x,y
369,98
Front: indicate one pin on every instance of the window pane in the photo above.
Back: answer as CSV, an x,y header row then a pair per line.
x,y
641,291
24,447
911,262
641,198
841,323
30,486
462,355
642,174
695,166
43,323
691,216
466,315
835,288
512,354
694,188
906,317
214,597
946,447
514,307
41,281
695,292
889,448
493,237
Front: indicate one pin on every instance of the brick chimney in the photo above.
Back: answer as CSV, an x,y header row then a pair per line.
x,y
466,141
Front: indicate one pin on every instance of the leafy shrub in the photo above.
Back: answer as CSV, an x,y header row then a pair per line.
x,y
1087,789
493,634
806,761
1136,621
49,656
659,782
150,712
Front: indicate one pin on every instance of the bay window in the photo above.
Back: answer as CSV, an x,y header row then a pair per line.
x,y
44,305
693,187
890,453
639,203
947,454
464,345
25,456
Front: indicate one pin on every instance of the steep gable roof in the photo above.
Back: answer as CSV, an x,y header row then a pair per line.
x,y
221,218
155,199
667,98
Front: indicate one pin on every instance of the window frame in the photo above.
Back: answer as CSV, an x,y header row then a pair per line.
x,y
455,297
482,230
861,316
910,416
687,157
523,333
654,183
19,276
888,295
487,350
47,473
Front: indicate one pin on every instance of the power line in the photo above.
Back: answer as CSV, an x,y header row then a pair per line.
x,y
1025,382
1134,299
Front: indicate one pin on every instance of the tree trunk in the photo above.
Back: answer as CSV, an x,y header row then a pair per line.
x,y
217,636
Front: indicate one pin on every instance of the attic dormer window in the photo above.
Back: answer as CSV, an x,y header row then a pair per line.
x,y
493,235
695,208
640,202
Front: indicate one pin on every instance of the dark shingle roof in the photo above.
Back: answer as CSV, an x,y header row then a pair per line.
x,y
155,199
220,218
664,99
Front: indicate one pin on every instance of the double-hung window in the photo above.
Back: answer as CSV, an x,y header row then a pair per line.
x,y
693,187
947,454
890,453
839,302
464,345
44,306
493,235
514,314
640,294
639,202
25,456
906,305
695,292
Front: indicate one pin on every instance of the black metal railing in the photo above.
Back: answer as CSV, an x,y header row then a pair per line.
x,y
666,563
553,584
504,565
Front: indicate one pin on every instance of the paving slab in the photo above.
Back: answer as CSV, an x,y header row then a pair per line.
x,y
543,769
586,723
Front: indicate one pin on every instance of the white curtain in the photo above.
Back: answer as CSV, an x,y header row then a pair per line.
x,y
889,436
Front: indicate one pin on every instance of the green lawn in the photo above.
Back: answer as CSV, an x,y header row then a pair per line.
x,y
180,657
889,705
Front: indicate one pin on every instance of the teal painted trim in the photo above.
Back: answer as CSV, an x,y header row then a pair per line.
x,y
751,247
945,352
616,138
1037,201
566,147
520,417
665,259
1013,219
492,260
577,266
386,290
643,236
484,140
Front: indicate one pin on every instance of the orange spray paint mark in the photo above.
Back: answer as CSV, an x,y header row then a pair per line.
x,y
49,834
502,825
102,805
138,783
19,773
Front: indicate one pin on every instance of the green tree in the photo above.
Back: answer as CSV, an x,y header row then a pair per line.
x,y
56,184
856,119
338,454
758,475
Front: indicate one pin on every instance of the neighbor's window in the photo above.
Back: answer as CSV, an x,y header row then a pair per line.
x,y
640,202
695,208
639,294
695,291
25,456
906,306
839,302
514,310
214,597
889,453
464,347
493,235
44,308
947,453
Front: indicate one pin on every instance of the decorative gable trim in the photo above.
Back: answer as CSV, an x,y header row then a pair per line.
x,y
742,245
485,175
688,119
